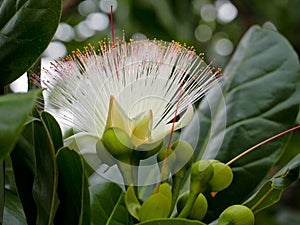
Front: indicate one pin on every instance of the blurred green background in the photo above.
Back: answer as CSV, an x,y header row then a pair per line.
x,y
213,27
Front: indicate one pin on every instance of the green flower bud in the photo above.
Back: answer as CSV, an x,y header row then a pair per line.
x,y
222,177
202,171
184,155
117,143
184,159
158,205
236,215
199,207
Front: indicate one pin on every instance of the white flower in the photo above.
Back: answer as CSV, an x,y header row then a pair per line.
x,y
137,87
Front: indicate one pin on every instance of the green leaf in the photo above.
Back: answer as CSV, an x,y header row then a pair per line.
x,y
271,191
14,111
132,203
26,28
35,172
54,129
108,205
73,190
261,95
172,221
13,211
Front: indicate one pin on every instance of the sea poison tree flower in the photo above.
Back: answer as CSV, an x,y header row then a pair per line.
x,y
128,92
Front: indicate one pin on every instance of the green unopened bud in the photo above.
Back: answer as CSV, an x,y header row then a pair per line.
x,y
222,177
236,215
158,205
198,209
184,159
202,171
184,156
117,143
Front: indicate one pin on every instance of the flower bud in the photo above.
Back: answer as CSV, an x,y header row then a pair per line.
x,y
184,155
202,171
222,177
236,215
158,205
118,144
184,159
199,207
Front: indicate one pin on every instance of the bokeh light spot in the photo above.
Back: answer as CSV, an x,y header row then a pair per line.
x,y
64,32
203,33
105,5
226,11
83,31
224,47
97,21
87,7
55,50
208,13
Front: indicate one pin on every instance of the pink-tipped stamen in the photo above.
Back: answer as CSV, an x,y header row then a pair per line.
x,y
261,143
213,194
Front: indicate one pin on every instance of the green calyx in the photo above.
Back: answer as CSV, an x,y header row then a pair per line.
x,y
117,143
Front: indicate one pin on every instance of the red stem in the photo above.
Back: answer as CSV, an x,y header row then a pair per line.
x,y
112,26
170,138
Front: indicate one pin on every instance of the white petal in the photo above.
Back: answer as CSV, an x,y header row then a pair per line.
x,y
163,130
82,142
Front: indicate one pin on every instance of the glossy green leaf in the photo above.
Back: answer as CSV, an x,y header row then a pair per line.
x,y
35,172
54,129
271,191
26,28
73,190
261,95
13,211
172,221
108,205
132,203
14,111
